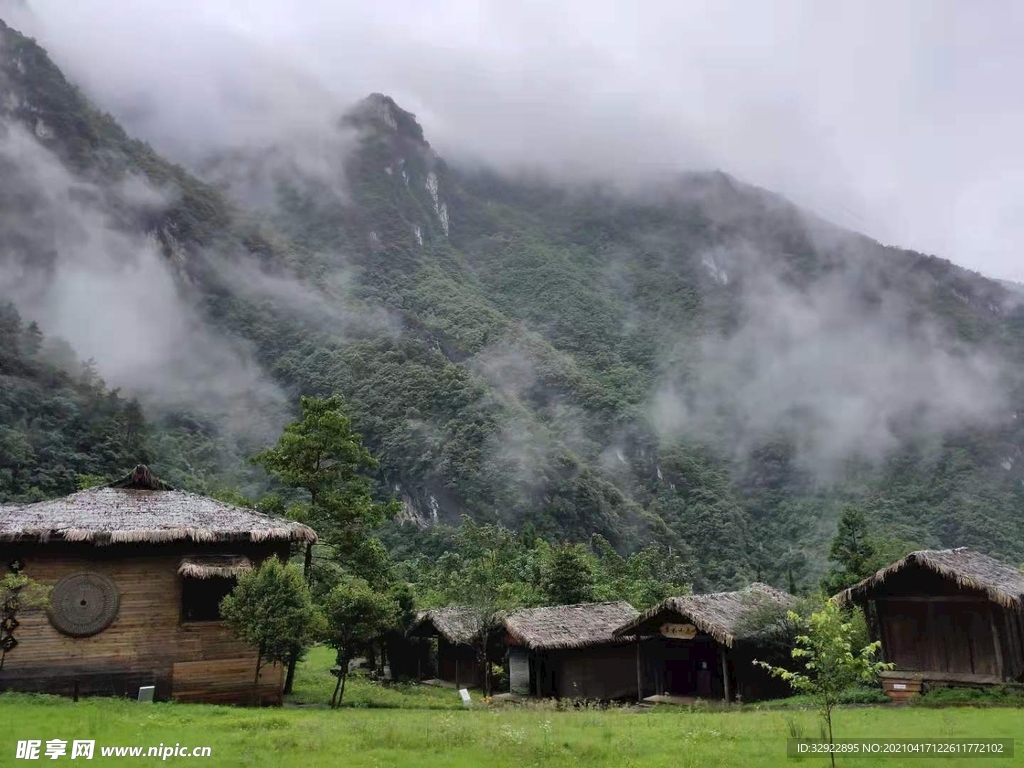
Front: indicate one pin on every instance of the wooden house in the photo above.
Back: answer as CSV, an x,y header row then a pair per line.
x,y
704,646
570,651
457,630
944,617
136,572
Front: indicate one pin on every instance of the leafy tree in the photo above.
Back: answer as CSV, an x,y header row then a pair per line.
x,y
851,551
568,576
856,553
356,616
270,609
17,593
831,660
321,454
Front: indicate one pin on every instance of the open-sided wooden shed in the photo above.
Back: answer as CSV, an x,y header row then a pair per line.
x,y
703,646
570,651
947,617
457,629
136,571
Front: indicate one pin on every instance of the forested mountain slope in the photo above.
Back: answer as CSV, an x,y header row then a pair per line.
x,y
694,362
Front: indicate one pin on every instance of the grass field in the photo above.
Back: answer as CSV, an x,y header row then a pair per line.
x,y
422,726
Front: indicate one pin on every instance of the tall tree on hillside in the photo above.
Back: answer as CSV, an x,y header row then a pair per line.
x,y
852,551
321,454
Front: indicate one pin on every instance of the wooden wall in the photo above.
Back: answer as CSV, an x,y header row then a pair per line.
x,y
672,666
458,664
603,672
928,624
147,644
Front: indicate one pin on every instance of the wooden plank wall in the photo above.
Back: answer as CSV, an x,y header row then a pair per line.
x,y
226,680
469,673
929,624
145,641
601,672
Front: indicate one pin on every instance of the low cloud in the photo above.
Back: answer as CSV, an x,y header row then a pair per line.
x,y
843,375
115,297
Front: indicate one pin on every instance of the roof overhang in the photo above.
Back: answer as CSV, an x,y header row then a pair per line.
x,y
214,566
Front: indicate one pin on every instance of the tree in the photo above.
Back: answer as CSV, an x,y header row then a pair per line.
x,y
851,551
321,454
831,661
568,575
356,616
270,609
17,593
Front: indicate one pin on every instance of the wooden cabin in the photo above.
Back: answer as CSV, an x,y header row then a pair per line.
x,y
456,630
136,572
570,651
944,617
703,646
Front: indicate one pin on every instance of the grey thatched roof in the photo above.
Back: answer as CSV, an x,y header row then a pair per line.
x,y
141,508
1003,583
726,616
567,626
458,624
214,566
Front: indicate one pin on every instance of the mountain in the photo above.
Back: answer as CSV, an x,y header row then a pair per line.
x,y
695,362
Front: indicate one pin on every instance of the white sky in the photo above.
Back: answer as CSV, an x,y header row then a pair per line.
x,y
900,119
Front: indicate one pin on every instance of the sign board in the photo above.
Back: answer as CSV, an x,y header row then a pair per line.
x,y
899,686
146,694
466,701
679,631
518,671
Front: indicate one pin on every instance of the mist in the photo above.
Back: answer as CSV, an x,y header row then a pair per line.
x,y
842,376
114,296
897,121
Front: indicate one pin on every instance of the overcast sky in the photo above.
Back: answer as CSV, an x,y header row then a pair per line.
x,y
900,119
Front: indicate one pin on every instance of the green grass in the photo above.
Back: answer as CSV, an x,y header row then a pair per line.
x,y
432,729
314,686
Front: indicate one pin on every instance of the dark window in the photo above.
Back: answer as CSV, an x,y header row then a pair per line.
x,y
200,598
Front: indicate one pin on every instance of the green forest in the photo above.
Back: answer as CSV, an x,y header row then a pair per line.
x,y
503,347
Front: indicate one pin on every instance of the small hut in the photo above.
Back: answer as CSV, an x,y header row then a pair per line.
x,y
458,630
703,646
570,651
944,617
136,572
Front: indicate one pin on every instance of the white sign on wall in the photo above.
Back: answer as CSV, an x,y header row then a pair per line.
x,y
679,631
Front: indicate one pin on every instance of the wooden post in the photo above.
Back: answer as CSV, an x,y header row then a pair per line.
x,y
725,673
995,639
639,675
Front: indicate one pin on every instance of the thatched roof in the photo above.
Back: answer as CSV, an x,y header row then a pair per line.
x,y
214,566
1002,583
726,616
141,508
567,626
458,625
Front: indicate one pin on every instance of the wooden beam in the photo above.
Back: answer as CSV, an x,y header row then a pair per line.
x,y
998,645
932,599
639,675
939,677
725,672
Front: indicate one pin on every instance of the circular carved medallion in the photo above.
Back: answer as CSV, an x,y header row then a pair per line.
x,y
83,604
